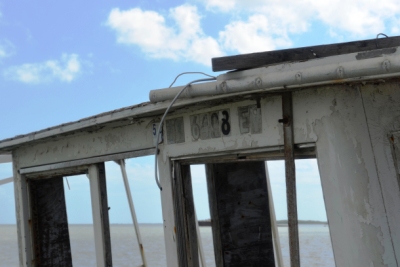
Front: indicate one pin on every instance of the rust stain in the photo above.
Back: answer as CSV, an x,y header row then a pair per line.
x,y
175,229
339,80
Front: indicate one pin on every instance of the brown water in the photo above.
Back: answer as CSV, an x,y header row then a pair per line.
x,y
315,245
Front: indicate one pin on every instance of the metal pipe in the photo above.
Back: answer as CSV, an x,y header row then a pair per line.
x,y
275,233
193,90
338,69
287,120
132,209
5,158
6,180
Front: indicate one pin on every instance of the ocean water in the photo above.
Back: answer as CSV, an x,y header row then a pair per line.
x,y
315,245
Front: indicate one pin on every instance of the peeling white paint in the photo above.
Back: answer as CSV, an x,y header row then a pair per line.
x,y
366,217
350,127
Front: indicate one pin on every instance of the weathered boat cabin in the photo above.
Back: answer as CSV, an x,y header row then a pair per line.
x,y
337,103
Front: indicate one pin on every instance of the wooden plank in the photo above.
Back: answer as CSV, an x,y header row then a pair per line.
x,y
185,217
244,225
290,170
212,196
22,212
254,60
81,162
190,218
49,223
104,214
179,228
101,223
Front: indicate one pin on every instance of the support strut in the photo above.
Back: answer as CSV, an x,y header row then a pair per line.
x,y
122,165
290,170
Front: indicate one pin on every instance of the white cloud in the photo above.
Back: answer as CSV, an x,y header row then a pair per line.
x,y
356,17
396,27
255,35
66,70
182,40
6,49
254,26
221,5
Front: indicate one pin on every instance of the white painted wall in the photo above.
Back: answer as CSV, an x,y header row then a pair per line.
x,y
358,178
382,109
334,118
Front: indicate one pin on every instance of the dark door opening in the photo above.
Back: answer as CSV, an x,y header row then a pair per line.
x,y
240,214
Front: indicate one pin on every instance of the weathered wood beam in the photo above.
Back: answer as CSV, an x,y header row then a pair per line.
x,y
49,223
254,60
111,140
215,223
290,170
101,223
240,204
188,250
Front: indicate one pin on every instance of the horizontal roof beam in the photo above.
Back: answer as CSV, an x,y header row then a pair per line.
x,y
355,67
255,60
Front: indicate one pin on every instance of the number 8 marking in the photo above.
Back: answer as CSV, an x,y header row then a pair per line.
x,y
225,127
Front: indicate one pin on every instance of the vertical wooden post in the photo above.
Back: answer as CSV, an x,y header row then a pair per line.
x,y
215,223
287,112
49,223
101,224
179,228
22,214
239,203
188,250
23,222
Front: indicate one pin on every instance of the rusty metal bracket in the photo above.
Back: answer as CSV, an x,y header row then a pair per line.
x,y
287,112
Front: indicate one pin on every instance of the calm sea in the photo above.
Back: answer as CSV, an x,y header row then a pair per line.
x,y
315,245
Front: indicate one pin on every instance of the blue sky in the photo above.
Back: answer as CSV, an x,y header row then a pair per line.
x,y
64,60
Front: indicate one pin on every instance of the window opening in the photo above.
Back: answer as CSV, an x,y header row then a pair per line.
x,y
314,235
80,220
202,208
240,211
147,205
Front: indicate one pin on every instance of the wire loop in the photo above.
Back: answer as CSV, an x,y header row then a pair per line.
x,y
212,78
